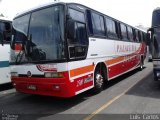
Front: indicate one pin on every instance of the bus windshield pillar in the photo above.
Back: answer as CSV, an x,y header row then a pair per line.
x,y
1,38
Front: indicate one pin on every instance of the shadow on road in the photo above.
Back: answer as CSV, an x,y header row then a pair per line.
x,y
146,88
121,78
6,86
32,107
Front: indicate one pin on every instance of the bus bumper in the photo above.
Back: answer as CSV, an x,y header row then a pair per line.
x,y
58,87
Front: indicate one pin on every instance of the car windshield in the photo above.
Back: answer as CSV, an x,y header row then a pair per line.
x,y
41,34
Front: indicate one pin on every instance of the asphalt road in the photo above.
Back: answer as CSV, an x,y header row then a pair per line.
x,y
130,96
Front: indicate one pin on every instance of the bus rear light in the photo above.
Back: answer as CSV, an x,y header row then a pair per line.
x,y
53,75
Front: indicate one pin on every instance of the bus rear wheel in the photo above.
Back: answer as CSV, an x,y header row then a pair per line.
x,y
98,80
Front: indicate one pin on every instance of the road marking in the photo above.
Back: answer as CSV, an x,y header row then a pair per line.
x,y
89,117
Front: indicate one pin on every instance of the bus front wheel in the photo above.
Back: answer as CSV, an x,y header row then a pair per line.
x,y
98,80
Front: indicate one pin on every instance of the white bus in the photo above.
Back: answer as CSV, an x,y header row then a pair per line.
x,y
63,49
5,36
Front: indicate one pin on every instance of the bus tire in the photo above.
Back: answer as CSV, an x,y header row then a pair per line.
x,y
98,80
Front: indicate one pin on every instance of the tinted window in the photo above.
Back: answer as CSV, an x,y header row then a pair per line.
x,y
20,28
144,37
2,26
5,30
81,34
47,31
42,37
130,34
139,36
136,36
76,15
98,24
111,28
124,32
89,23
156,18
78,43
79,47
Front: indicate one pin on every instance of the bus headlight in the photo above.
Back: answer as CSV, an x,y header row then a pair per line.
x,y
53,75
14,74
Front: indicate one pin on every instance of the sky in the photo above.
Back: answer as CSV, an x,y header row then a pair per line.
x,y
132,12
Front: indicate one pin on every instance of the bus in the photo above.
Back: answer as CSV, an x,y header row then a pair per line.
x,y
5,37
154,41
63,49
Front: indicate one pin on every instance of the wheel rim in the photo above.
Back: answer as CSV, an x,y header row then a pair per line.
x,y
99,80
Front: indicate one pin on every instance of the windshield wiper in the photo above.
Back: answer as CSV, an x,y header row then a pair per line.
x,y
19,56
26,46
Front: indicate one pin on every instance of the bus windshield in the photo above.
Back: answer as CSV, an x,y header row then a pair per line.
x,y
41,34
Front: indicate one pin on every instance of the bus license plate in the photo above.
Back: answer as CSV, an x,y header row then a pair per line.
x,y
31,87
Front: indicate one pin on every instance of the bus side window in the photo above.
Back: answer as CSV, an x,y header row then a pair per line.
x,y
124,32
142,37
81,34
139,36
98,24
136,36
130,34
79,25
112,29
89,23
78,42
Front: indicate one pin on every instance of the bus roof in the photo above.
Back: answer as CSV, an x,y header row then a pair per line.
x,y
157,9
52,3
37,7
156,17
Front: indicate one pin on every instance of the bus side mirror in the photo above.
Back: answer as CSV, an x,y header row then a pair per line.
x,y
1,39
71,31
